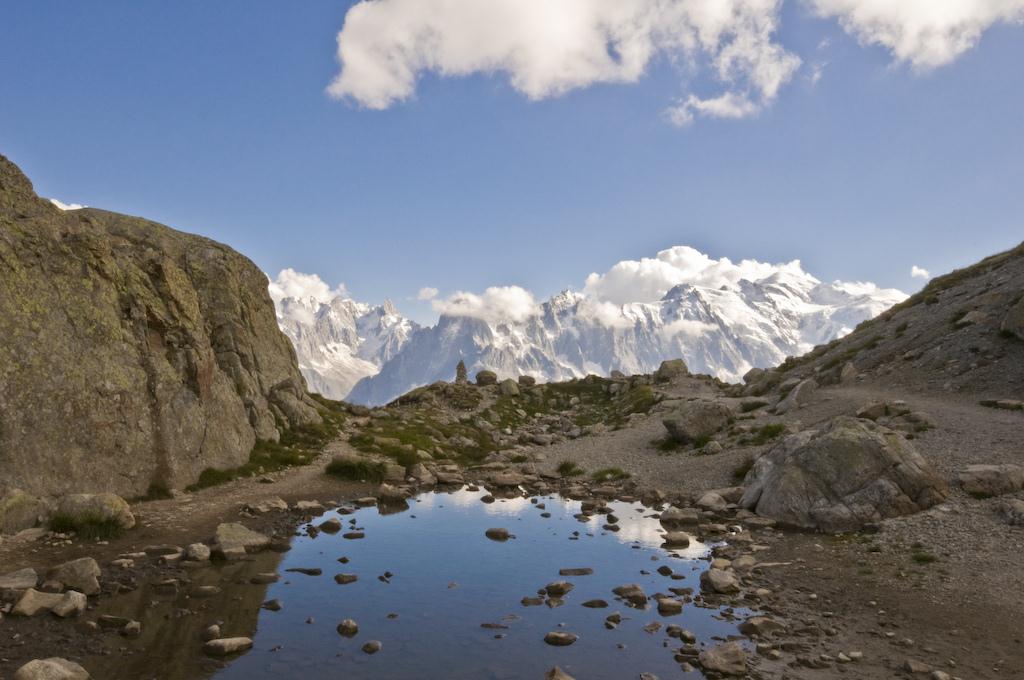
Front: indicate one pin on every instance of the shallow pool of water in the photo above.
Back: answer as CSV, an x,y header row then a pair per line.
x,y
447,580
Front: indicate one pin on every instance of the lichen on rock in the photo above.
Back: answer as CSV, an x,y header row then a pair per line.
x,y
130,353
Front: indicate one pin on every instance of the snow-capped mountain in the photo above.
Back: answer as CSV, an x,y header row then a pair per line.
x,y
721,318
724,332
341,341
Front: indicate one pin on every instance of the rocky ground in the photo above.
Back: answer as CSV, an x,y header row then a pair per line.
x,y
938,591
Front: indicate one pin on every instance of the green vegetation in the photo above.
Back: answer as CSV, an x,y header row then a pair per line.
x,y
668,445
764,434
752,405
357,470
520,458
923,557
568,468
297,446
86,528
611,474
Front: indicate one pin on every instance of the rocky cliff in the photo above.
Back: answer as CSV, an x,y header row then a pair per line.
x,y
130,353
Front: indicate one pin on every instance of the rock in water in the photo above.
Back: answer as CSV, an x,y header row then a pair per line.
x,y
164,346
227,646
696,420
234,540
557,673
53,668
837,478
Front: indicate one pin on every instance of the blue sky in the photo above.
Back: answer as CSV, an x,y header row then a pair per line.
x,y
214,118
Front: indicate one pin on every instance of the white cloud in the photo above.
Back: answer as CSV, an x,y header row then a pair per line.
x,y
648,279
548,47
427,293
67,206
689,328
924,33
496,304
919,273
817,70
292,284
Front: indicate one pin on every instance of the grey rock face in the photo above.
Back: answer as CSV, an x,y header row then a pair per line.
x,y
131,353
1014,320
798,396
837,478
695,420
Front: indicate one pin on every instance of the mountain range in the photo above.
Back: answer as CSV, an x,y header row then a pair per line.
x,y
755,316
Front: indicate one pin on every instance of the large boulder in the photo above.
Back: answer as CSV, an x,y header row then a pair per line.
x,y
484,378
840,477
671,369
53,668
992,480
697,420
20,511
82,508
131,354
1013,322
798,397
509,388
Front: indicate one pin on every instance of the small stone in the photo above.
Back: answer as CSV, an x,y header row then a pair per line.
x,y
197,552
273,605
211,633
556,673
497,534
132,629
728,658
345,579
558,588
331,526
227,646
669,607
372,647
557,638
348,628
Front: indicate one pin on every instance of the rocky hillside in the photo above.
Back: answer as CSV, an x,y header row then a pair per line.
x,y
131,354
964,332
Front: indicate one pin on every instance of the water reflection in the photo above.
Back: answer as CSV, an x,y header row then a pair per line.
x,y
446,580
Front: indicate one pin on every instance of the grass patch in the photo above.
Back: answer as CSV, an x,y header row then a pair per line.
x,y
668,445
87,527
357,470
752,405
568,468
520,458
922,557
611,474
297,446
764,434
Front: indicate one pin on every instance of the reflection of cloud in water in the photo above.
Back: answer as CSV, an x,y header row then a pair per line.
x,y
634,527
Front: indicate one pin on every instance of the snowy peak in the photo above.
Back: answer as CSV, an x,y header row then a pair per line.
x,y
721,318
